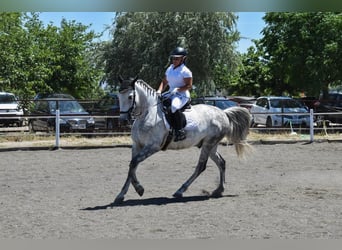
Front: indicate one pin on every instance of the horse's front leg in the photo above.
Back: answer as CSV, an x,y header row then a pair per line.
x,y
131,177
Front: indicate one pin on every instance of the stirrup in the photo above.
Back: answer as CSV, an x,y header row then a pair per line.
x,y
180,135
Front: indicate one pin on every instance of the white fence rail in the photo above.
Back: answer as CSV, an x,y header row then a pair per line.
x,y
6,131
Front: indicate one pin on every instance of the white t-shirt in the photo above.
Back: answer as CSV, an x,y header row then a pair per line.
x,y
175,77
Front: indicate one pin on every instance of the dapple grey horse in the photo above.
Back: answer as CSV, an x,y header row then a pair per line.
x,y
149,132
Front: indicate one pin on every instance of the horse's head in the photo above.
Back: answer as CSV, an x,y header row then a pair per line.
x,y
126,97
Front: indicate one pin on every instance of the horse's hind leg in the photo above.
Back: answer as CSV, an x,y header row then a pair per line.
x,y
201,165
221,164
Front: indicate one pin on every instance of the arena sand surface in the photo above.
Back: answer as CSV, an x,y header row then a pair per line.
x,y
282,191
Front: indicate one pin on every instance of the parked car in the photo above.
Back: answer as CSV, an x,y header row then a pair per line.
x,y
331,104
73,116
10,111
106,106
268,110
218,101
106,114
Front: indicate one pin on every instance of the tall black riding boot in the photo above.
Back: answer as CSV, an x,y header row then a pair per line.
x,y
178,122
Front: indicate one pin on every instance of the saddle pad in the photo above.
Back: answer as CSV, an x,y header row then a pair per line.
x,y
191,121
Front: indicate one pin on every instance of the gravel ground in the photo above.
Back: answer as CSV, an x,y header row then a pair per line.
x,y
282,191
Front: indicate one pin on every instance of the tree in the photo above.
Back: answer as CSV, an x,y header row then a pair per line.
x,y
14,52
304,51
73,69
253,77
143,41
35,58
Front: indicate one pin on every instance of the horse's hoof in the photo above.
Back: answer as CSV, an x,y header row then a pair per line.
x,y
118,200
178,195
216,194
140,190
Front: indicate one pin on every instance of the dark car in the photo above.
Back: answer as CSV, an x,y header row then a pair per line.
x,y
333,105
73,116
106,113
218,101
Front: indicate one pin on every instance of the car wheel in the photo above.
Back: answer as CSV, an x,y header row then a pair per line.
x,y
269,122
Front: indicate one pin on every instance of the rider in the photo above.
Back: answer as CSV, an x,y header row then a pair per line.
x,y
179,79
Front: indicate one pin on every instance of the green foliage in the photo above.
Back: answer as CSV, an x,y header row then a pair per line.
x,y
253,75
303,51
36,59
143,41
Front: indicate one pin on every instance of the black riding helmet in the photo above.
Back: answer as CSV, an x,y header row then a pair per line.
x,y
179,52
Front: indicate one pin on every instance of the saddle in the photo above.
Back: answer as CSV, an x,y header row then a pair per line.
x,y
166,108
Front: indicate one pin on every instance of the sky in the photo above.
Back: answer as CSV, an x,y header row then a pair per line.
x,y
249,24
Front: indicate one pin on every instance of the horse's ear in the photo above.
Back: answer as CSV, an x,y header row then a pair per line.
x,y
120,78
133,82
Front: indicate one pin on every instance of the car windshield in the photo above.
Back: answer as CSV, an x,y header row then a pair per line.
x,y
7,99
285,103
68,106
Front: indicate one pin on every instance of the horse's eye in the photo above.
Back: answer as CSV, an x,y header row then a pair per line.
x,y
130,97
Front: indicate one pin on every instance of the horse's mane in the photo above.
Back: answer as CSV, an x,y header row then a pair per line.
x,y
147,88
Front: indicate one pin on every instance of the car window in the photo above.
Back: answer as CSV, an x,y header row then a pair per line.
x,y
275,103
42,106
335,100
68,106
7,99
293,104
262,102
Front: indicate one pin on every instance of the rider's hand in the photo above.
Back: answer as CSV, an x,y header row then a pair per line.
x,y
174,91
158,92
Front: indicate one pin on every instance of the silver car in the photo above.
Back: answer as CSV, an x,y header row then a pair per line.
x,y
278,111
10,111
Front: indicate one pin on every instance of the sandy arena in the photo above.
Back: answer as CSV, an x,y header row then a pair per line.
x,y
282,191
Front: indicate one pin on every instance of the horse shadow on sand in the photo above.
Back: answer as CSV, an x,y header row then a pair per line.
x,y
157,201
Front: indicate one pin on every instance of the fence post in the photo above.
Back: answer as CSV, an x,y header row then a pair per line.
x,y
57,129
311,126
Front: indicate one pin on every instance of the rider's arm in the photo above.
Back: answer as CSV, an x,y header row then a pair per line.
x,y
187,84
162,85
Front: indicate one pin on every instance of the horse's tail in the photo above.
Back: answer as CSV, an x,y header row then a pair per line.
x,y
240,120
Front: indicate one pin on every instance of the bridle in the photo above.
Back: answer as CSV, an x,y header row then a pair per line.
x,y
130,110
123,88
